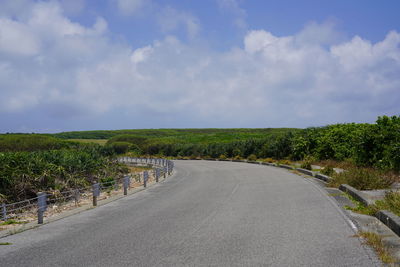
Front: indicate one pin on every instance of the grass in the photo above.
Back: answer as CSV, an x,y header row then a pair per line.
x,y
8,222
362,179
360,207
101,142
5,243
375,241
391,202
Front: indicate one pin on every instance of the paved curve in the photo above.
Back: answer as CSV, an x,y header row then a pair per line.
x,y
209,214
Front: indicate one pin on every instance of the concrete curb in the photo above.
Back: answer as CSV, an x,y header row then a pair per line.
x,y
322,177
269,164
386,217
358,195
288,167
254,162
308,172
390,220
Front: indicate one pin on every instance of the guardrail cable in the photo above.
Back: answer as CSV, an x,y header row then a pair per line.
x,y
160,167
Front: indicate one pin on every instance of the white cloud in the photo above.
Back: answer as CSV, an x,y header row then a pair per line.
x,y
73,7
74,72
130,7
16,38
234,8
171,19
140,54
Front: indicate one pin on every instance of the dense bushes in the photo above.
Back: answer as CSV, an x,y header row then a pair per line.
x,y
362,179
31,142
374,145
24,173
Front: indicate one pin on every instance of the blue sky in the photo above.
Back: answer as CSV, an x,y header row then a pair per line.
x,y
123,64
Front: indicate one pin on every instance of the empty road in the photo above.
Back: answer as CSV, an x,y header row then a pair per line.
x,y
207,214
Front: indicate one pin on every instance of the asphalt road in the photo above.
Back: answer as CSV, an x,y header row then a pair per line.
x,y
207,214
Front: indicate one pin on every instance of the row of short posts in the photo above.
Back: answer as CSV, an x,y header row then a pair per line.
x,y
42,197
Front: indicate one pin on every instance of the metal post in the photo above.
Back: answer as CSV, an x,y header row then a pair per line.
x,y
42,206
76,196
96,192
156,175
4,211
145,179
126,185
116,186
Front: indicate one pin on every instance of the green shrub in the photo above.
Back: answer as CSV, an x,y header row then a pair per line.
x,y
284,162
23,174
30,142
237,157
107,182
121,147
252,157
269,160
362,179
391,202
222,156
328,170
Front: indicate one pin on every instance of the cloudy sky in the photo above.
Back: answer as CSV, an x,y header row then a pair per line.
x,y
126,64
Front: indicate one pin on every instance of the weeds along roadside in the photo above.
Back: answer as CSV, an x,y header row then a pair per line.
x,y
60,167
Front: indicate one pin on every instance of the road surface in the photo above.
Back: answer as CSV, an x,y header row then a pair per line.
x,y
207,214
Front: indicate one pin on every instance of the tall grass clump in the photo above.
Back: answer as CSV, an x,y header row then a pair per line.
x,y
23,174
362,179
391,202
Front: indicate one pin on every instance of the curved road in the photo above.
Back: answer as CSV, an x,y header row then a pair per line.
x,y
207,214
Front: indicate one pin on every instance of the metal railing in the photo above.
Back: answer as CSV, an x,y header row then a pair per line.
x,y
37,206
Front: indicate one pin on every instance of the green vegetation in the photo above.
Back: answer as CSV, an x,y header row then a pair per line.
x,y
252,157
391,202
33,142
33,163
375,241
180,135
359,207
8,222
362,178
96,141
328,170
371,145
29,163
5,243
